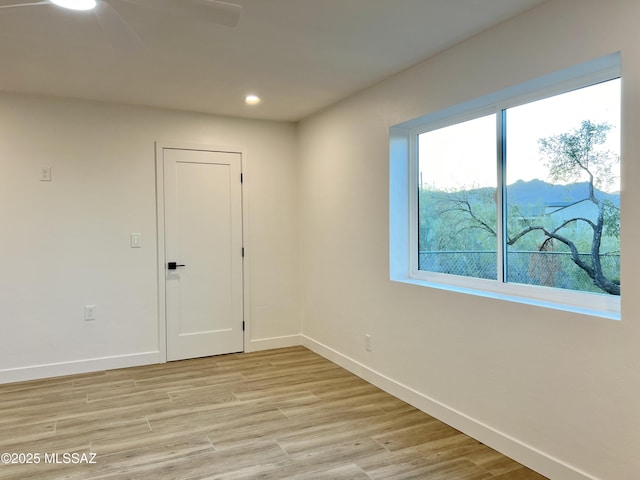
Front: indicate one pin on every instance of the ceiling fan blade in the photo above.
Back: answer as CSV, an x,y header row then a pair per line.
x,y
28,4
121,37
213,11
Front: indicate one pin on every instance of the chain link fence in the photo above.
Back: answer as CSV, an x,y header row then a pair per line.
x,y
551,269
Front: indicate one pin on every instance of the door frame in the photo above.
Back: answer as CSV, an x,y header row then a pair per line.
x,y
160,233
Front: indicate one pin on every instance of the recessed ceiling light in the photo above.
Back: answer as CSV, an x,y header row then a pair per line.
x,y
252,99
76,4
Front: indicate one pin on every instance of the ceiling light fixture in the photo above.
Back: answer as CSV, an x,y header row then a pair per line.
x,y
75,4
252,99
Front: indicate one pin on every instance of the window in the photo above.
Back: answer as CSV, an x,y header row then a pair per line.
x,y
518,194
456,199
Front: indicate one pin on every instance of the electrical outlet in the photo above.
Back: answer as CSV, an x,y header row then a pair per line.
x,y
89,312
367,342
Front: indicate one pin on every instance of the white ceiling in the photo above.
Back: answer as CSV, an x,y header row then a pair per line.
x,y
298,55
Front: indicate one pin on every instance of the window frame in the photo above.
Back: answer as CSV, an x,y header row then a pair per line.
x,y
404,168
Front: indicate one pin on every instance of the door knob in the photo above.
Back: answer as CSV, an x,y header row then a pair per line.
x,y
173,265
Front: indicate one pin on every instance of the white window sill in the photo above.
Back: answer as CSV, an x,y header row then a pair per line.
x,y
509,297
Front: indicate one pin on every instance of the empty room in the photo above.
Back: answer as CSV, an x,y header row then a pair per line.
x,y
408,261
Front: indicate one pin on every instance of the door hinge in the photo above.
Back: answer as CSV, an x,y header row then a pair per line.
x,y
242,252
243,325
241,178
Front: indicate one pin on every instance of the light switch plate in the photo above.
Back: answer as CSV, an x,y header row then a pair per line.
x,y
89,312
136,240
45,174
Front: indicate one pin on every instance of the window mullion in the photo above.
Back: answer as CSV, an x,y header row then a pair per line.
x,y
501,195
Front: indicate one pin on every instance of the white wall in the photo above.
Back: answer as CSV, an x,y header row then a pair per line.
x,y
559,391
65,243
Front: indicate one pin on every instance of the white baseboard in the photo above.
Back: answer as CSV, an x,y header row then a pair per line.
x,y
36,372
77,366
531,457
273,342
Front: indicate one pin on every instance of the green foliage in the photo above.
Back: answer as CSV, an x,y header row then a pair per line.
x,y
462,220
579,155
611,218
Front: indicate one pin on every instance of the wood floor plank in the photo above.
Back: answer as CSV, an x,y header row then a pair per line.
x,y
421,457
415,435
136,461
492,461
97,426
278,414
521,473
202,395
346,430
457,469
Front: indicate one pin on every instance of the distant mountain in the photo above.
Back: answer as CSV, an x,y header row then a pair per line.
x,y
535,196
538,192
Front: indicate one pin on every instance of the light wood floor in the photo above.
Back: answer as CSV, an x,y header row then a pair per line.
x,y
280,414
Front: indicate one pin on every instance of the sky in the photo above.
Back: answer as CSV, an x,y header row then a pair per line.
x,y
463,156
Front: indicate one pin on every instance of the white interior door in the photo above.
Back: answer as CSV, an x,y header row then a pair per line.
x,y
203,238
